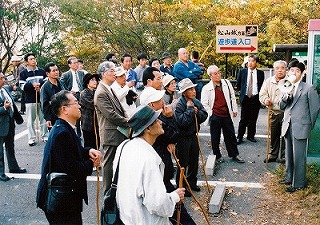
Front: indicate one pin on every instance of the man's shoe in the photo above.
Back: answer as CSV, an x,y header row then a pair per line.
x,y
220,160
31,142
292,189
4,178
282,161
239,141
270,160
187,193
19,170
285,182
252,139
195,188
238,159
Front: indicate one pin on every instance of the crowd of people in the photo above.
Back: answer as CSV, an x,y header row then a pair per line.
x,y
85,118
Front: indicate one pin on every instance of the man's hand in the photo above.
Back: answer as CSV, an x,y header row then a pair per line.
x,y
180,192
36,86
167,111
7,105
95,156
48,123
171,148
130,83
267,102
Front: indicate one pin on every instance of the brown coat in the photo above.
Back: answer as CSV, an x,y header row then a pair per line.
x,y
110,115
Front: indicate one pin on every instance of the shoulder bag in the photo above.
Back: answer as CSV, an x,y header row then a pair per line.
x,y
110,212
61,194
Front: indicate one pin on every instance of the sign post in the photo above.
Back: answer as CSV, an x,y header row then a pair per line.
x,y
237,39
313,77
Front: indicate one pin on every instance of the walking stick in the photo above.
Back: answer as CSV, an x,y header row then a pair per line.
x,y
201,153
37,119
98,172
180,202
268,135
188,185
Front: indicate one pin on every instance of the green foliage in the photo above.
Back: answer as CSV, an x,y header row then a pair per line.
x,y
312,177
91,28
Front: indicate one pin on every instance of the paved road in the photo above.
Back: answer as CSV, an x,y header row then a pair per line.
x,y
17,196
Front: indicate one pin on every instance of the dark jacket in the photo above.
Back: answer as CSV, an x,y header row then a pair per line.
x,y
87,110
242,82
185,116
67,156
27,77
46,92
67,79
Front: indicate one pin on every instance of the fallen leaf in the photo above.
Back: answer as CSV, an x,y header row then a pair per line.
x,y
233,213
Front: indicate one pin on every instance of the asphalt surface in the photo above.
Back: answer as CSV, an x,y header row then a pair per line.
x,y
244,181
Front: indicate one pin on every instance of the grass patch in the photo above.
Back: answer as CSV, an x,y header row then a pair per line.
x,y
312,177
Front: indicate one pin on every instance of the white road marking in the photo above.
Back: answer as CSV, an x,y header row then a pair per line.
x,y
257,135
20,135
94,178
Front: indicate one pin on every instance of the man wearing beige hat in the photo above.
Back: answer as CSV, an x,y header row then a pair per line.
x,y
122,88
189,113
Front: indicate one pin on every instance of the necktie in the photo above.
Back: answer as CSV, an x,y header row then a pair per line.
x,y
249,94
78,81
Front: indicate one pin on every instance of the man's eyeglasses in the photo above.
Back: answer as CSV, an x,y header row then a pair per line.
x,y
75,103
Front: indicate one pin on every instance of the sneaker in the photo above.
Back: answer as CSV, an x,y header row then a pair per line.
x,y
31,142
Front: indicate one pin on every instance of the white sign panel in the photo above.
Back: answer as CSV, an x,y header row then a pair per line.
x,y
237,39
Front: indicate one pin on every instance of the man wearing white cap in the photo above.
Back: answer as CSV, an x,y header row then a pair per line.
x,y
189,113
165,143
17,68
122,90
141,195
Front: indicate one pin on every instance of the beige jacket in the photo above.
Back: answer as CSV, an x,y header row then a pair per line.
x,y
270,90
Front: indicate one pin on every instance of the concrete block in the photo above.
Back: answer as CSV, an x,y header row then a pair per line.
x,y
217,198
211,161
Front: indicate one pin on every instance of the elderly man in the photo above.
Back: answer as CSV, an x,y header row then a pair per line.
x,y
8,113
189,114
185,68
124,92
301,108
141,194
64,154
219,100
110,115
270,95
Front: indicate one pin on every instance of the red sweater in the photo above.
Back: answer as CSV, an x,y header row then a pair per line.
x,y
220,107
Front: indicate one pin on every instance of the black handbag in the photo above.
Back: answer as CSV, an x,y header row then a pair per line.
x,y
61,196
110,212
